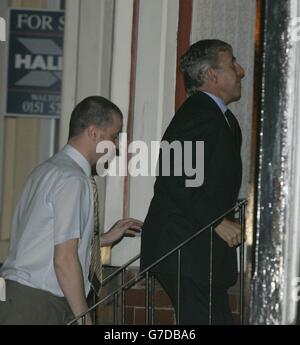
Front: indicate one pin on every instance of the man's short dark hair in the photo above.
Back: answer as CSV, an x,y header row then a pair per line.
x,y
198,59
93,110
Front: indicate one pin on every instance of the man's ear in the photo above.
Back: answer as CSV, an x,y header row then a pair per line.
x,y
212,75
94,132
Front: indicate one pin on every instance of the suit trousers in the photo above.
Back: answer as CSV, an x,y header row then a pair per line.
x,y
195,301
25,305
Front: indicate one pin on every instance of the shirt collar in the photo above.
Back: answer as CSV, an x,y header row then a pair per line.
x,y
218,100
78,158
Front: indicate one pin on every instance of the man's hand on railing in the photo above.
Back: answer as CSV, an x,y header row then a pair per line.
x,y
230,232
124,227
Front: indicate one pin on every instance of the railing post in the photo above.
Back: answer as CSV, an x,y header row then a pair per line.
x,y
178,285
242,247
152,299
123,299
94,299
210,275
116,308
147,299
149,309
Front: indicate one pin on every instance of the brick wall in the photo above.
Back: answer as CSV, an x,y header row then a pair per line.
x,y
135,303
164,312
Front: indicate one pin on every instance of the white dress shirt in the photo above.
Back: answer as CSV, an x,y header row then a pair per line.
x,y
55,205
220,103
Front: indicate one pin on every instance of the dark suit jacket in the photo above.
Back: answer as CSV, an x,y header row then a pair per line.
x,y
176,212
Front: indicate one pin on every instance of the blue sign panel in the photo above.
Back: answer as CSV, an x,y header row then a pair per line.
x,y
35,61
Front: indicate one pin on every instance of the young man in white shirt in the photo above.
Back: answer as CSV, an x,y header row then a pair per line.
x,y
47,269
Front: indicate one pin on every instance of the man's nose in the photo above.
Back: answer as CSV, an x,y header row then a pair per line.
x,y
241,71
117,144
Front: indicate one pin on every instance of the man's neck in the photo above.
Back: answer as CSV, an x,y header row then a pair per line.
x,y
213,92
80,148
218,101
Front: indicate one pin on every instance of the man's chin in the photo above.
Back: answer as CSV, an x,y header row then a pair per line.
x,y
235,99
238,95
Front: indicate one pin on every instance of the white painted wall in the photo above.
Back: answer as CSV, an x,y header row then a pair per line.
x,y
120,93
87,55
69,83
48,126
87,62
154,100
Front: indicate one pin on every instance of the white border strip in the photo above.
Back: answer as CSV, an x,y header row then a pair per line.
x,y
291,257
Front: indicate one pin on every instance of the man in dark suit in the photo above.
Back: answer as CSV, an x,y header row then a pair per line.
x,y
212,81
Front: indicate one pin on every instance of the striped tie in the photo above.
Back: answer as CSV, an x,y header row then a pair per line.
x,y
95,275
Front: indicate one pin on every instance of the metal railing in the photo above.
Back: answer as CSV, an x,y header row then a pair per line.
x,y
240,208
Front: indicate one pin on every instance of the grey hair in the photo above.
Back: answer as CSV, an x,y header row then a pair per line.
x,y
195,63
